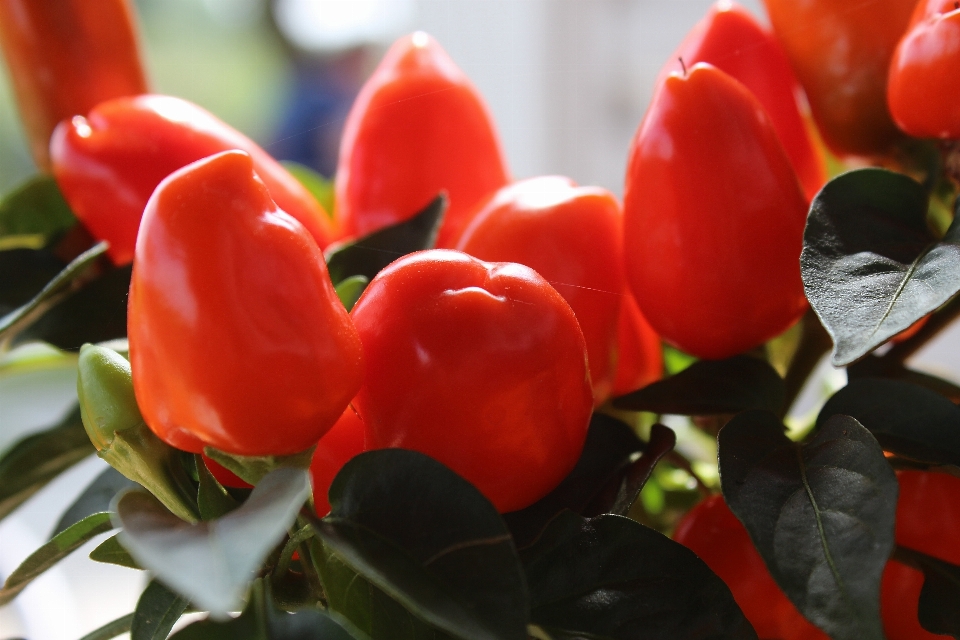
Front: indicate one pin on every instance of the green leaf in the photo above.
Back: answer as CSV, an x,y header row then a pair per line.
x,y
53,552
27,466
110,551
870,265
427,538
158,609
939,607
23,274
905,418
821,515
36,208
611,577
710,387
662,441
606,455
212,499
349,290
112,629
319,187
95,313
95,498
368,255
261,620
873,367
212,563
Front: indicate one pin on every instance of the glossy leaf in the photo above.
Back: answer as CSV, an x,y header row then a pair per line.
x,y
606,454
62,545
939,609
27,466
95,498
110,551
35,208
870,265
158,609
95,313
368,255
662,441
23,273
428,539
905,418
612,577
821,515
261,620
349,290
212,562
711,387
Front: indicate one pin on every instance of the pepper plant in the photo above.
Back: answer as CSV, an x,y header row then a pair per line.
x,y
319,426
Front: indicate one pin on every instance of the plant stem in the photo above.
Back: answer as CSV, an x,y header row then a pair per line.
x,y
814,343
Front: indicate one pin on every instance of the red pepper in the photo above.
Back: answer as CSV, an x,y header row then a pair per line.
x,y
418,127
479,365
924,82
841,52
108,163
237,338
729,38
573,237
713,218
639,352
66,56
335,449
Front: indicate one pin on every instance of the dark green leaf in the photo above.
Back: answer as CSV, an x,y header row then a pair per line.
x,y
368,255
873,367
905,418
31,463
35,208
23,274
95,498
662,441
158,609
212,499
319,187
95,313
111,629
349,290
110,551
870,265
606,453
612,577
711,387
428,539
53,552
261,620
213,562
939,610
821,515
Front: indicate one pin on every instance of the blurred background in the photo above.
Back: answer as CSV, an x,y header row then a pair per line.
x,y
567,82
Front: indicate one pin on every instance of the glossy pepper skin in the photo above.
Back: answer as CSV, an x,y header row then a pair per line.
x,y
718,538
344,441
418,127
841,52
108,163
64,57
729,38
479,365
713,218
237,338
573,237
639,351
924,80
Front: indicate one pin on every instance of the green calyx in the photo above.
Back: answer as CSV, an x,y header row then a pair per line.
x,y
252,468
112,419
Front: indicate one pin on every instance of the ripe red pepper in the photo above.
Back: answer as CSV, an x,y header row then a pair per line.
x,y
237,338
639,352
573,237
924,83
841,52
479,365
418,127
335,449
729,38
713,218
65,57
108,163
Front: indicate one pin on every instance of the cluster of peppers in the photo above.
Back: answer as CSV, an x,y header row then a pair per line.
x,y
544,299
